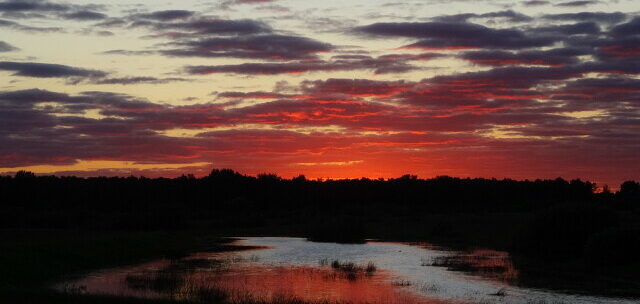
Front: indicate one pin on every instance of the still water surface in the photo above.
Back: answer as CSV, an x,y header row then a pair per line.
x,y
295,268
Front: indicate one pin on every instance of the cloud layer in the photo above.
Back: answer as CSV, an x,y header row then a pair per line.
x,y
500,93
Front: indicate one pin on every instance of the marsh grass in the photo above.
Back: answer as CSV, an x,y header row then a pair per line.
x,y
179,288
353,270
176,282
469,263
401,283
371,267
353,267
171,279
454,263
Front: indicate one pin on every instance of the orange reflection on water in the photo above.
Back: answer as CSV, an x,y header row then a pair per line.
x,y
113,282
244,281
311,284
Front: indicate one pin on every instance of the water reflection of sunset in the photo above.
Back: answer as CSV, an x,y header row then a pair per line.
x,y
242,280
314,284
293,270
113,282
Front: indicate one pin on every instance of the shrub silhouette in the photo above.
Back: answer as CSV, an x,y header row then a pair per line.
x,y
614,247
22,174
629,194
562,232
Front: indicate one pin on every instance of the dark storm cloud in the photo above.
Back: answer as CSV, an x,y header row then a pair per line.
x,y
535,3
327,108
19,27
128,53
31,5
589,28
380,65
26,9
266,68
577,3
204,26
508,15
193,35
516,77
78,75
355,87
612,50
497,42
168,15
31,96
612,66
445,35
621,48
602,92
600,17
33,133
184,23
630,28
112,22
137,80
66,103
251,95
618,83
461,102
85,16
426,30
273,47
45,70
5,47
554,57
226,4
455,94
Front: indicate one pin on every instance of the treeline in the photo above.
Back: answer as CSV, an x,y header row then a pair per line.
x,y
226,198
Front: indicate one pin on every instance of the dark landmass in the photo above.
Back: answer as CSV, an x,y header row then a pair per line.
x,y
556,230
32,260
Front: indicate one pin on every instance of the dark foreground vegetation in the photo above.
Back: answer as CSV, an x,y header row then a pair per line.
x,y
555,228
30,260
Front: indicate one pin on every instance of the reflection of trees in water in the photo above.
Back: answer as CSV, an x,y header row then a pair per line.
x,y
203,280
485,263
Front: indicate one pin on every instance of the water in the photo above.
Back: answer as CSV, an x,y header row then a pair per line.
x,y
296,268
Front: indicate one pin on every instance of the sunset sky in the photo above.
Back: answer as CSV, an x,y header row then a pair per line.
x,y
329,89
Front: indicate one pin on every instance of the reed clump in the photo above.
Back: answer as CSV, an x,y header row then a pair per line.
x,y
353,270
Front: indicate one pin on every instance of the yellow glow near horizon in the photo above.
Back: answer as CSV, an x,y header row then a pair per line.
x,y
92,165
